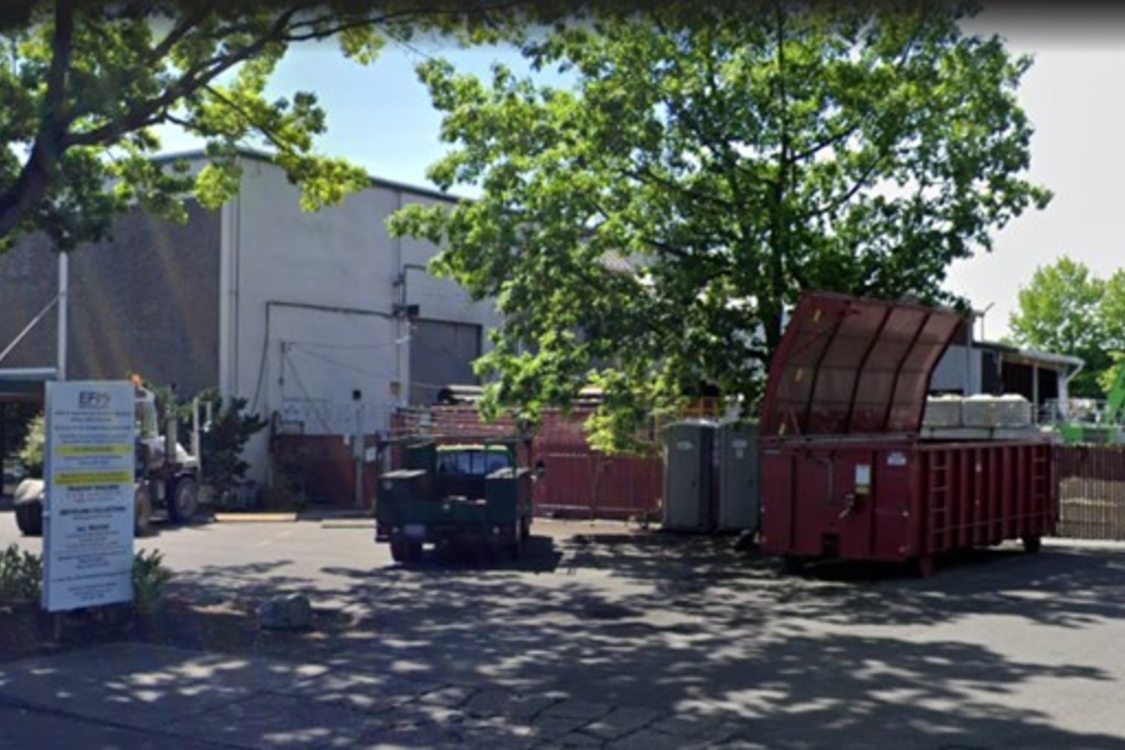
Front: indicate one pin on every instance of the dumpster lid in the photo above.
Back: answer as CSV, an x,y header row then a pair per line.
x,y
849,365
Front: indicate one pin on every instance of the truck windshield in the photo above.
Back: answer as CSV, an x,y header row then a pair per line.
x,y
472,461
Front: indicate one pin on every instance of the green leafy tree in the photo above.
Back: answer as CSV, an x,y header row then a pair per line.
x,y
223,442
1061,310
645,230
32,452
84,83
1112,315
1109,377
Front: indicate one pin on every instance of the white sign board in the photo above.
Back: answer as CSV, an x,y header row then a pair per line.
x,y
89,511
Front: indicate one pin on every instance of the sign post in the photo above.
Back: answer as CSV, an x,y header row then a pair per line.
x,y
89,512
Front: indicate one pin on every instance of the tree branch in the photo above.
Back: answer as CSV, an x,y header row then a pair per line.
x,y
848,194
248,118
169,117
35,177
53,136
777,244
679,252
203,73
483,12
647,175
831,140
844,133
193,80
178,32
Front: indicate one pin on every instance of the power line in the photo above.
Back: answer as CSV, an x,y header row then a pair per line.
x,y
355,347
411,48
314,402
344,365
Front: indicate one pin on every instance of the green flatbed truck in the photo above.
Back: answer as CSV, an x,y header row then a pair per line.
x,y
455,495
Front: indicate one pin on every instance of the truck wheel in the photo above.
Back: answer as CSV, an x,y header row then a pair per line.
x,y
924,566
142,500
405,551
29,518
515,546
1032,544
183,501
793,564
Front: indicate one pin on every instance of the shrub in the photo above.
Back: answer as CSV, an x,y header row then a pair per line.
x,y
21,575
31,453
150,577
222,444
21,578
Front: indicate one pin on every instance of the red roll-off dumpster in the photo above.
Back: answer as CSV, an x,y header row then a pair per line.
x,y
844,472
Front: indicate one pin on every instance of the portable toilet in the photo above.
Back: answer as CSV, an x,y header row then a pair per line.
x,y
738,503
689,474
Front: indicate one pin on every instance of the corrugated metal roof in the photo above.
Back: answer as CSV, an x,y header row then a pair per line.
x,y
265,156
1036,356
34,374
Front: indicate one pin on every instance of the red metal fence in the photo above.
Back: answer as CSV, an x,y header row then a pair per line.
x,y
1091,491
577,480
323,467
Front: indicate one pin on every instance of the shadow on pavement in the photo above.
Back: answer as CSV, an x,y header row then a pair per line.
x,y
687,625
539,556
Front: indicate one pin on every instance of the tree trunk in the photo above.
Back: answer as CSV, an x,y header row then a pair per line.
x,y
774,307
35,178
30,188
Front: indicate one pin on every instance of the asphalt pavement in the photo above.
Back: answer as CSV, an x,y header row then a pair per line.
x,y
603,637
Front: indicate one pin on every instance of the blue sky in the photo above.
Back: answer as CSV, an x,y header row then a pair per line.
x,y
380,117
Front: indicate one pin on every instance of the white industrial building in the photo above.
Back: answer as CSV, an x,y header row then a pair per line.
x,y
986,367
317,308
322,320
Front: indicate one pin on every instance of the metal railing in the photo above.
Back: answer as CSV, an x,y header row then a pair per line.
x,y
1075,410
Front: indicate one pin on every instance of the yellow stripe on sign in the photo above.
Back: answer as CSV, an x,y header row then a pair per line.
x,y
93,477
93,450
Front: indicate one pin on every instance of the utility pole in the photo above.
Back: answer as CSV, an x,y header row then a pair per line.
x,y
981,315
64,287
358,447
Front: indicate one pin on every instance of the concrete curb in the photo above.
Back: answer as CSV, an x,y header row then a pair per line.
x,y
255,517
348,523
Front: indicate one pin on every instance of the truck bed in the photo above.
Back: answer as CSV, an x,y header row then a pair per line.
x,y
445,503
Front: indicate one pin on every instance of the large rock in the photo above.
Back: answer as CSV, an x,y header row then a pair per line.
x,y
292,612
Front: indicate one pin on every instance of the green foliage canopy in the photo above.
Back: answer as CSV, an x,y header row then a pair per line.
x,y
84,83
32,453
645,230
223,442
1066,309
